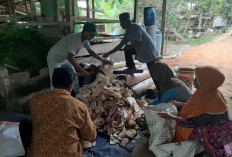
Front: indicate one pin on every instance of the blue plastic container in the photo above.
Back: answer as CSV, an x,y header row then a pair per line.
x,y
158,37
149,16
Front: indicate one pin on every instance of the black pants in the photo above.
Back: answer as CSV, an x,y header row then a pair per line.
x,y
25,129
130,64
129,57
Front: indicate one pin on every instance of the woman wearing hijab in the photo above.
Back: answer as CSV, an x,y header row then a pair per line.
x,y
205,116
171,87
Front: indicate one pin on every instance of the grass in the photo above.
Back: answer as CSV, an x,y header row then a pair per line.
x,y
203,39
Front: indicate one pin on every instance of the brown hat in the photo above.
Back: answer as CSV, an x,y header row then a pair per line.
x,y
124,16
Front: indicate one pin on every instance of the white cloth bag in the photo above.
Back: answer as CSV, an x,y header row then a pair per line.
x,y
10,141
162,132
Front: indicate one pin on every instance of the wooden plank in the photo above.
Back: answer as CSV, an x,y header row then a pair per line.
x,y
156,4
44,24
80,19
128,71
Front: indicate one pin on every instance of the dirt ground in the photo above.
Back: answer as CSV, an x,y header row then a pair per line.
x,y
217,53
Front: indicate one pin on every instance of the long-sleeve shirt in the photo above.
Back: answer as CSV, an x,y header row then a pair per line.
x,y
60,124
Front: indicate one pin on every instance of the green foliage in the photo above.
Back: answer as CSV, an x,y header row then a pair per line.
x,y
23,48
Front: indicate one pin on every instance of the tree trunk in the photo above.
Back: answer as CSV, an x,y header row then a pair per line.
x,y
187,24
200,22
189,18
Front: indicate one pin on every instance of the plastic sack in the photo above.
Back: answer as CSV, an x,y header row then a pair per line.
x,y
161,130
10,141
180,149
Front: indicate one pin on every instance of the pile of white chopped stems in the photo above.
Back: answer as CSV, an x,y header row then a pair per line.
x,y
112,107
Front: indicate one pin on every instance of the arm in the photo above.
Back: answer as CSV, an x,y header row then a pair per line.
x,y
178,105
182,122
88,130
167,96
72,60
117,48
202,120
135,44
92,53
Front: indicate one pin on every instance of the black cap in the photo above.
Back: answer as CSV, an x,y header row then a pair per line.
x,y
90,27
124,16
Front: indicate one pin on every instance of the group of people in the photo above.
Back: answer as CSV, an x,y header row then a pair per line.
x,y
60,123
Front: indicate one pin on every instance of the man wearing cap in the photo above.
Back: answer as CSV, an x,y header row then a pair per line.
x,y
141,45
64,51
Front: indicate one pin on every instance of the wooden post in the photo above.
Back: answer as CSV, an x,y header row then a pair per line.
x,y
57,16
25,1
164,6
71,12
9,8
87,7
13,7
93,7
136,11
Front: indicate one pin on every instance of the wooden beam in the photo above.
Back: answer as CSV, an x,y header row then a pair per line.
x,y
136,11
19,12
156,4
163,25
79,8
80,19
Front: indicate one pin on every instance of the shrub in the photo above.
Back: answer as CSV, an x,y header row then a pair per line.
x,y
24,48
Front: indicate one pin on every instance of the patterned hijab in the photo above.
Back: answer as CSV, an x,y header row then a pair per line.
x,y
207,99
165,76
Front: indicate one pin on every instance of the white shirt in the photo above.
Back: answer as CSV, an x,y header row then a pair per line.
x,y
70,43
147,51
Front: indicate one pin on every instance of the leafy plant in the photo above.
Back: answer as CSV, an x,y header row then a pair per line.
x,y
24,48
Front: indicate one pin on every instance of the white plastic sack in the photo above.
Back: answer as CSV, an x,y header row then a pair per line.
x,y
10,141
161,130
181,149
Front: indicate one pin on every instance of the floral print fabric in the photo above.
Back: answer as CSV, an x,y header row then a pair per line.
x,y
214,131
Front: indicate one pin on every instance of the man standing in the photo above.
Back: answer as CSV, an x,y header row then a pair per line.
x,y
142,45
64,51
60,123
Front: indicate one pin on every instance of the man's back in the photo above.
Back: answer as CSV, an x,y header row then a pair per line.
x,y
60,124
